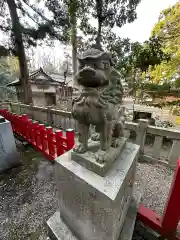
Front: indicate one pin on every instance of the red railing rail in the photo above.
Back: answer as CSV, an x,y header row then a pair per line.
x,y
44,139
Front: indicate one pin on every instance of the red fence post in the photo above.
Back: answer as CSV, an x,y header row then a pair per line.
x,y
51,143
171,214
25,120
12,119
44,141
41,131
33,133
14,123
59,143
70,139
28,130
19,124
36,137
5,113
39,140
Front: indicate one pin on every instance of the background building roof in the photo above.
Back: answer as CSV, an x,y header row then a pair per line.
x,y
53,77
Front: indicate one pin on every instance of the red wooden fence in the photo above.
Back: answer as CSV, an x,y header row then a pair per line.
x,y
44,139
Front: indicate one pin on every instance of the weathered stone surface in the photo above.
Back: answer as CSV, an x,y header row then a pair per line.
x,y
8,153
88,159
94,207
99,102
129,223
58,230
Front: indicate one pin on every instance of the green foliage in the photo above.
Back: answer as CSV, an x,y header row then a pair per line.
x,y
168,30
9,68
157,58
157,87
115,13
157,90
177,83
149,53
165,104
108,14
8,72
162,90
119,48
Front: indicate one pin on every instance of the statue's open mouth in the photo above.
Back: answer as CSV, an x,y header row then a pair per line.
x,y
92,83
89,77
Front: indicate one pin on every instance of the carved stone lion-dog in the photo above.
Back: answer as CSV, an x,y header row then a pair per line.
x,y
99,103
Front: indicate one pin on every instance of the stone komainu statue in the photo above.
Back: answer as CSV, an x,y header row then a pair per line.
x,y
99,103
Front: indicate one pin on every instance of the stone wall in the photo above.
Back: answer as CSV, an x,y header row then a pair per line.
x,y
39,99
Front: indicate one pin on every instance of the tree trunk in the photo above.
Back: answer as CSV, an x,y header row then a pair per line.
x,y
24,74
98,39
99,5
74,43
73,21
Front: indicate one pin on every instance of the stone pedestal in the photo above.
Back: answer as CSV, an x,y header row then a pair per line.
x,y
88,159
94,207
9,156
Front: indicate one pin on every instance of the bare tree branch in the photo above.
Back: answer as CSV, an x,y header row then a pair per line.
x,y
27,13
37,11
2,5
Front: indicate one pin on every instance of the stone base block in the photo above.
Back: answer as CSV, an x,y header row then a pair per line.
x,y
88,159
92,206
9,157
58,230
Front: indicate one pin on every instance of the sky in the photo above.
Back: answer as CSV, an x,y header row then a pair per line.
x,y
147,15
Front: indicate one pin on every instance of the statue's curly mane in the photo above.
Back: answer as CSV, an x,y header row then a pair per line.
x,y
113,93
101,97
90,98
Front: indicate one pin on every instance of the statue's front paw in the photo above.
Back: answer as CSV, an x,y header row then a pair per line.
x,y
95,137
101,156
115,142
80,148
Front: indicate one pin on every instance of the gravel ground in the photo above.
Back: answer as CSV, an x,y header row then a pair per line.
x,y
157,179
27,198
28,195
